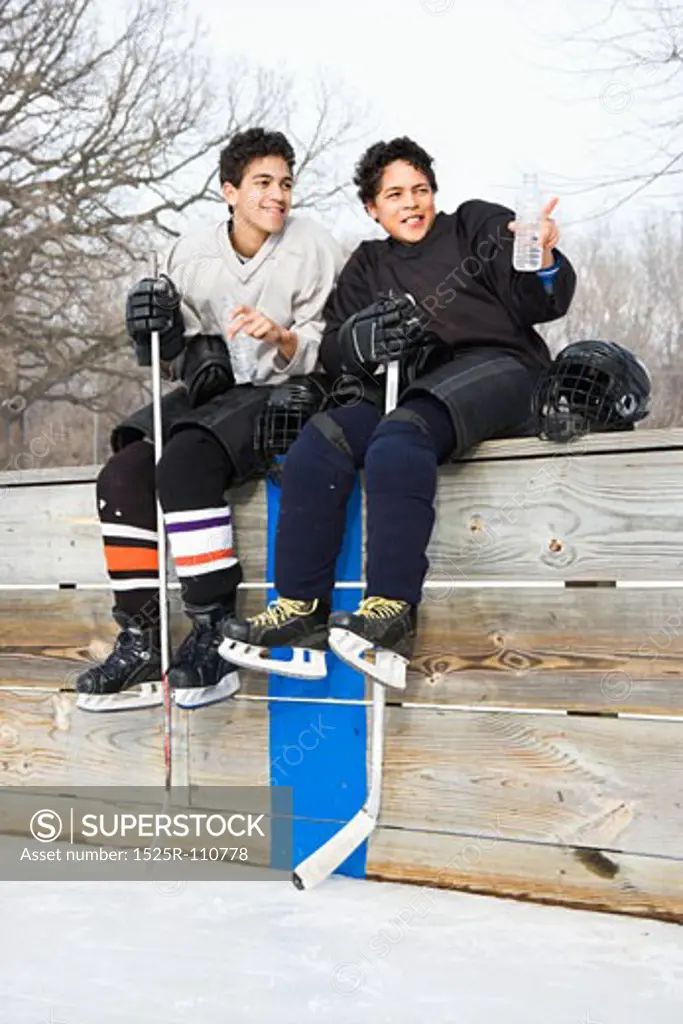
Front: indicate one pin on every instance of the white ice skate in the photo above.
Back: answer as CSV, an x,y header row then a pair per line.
x,y
129,678
198,675
192,697
298,626
376,639
136,698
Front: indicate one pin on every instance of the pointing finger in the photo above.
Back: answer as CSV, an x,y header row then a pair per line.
x,y
550,206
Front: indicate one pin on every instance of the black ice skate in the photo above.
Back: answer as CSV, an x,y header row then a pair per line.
x,y
298,625
130,678
383,627
198,675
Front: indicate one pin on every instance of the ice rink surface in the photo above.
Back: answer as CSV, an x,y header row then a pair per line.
x,y
350,951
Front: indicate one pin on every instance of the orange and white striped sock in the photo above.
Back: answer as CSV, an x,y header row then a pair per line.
x,y
131,556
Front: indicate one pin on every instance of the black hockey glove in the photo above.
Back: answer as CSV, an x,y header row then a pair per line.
x,y
154,305
206,368
386,330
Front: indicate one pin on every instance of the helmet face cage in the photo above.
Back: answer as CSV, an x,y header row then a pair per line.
x,y
591,386
281,421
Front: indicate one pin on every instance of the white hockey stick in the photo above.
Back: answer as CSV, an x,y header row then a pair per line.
x,y
161,553
327,858
146,695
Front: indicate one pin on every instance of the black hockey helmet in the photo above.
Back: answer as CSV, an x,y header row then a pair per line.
x,y
288,408
591,386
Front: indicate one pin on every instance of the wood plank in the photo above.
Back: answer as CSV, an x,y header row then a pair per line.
x,y
586,649
618,883
532,447
491,857
575,782
75,618
595,517
640,439
55,618
17,477
584,782
48,637
51,534
45,740
498,785
598,517
228,745
591,649
249,515
595,782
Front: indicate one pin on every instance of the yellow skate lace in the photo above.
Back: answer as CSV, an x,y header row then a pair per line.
x,y
281,609
379,607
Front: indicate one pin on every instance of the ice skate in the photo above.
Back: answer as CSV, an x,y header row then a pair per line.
x,y
198,675
130,678
300,626
377,639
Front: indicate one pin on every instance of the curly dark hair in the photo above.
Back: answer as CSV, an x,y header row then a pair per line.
x,y
371,166
250,145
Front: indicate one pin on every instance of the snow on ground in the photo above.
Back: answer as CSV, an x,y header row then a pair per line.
x,y
349,951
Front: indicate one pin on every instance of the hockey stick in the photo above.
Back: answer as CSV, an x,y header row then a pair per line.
x,y
161,552
146,695
332,854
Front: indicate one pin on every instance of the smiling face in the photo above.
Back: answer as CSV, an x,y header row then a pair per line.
x,y
404,204
263,199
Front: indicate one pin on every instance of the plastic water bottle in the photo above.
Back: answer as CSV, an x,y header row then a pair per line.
x,y
527,254
241,348
242,351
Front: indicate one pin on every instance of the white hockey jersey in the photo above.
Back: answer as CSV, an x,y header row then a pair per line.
x,y
288,279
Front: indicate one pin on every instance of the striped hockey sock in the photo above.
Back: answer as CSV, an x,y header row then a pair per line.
x,y
132,561
202,546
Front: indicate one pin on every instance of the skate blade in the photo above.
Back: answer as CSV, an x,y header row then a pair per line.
x,y
303,664
193,697
146,695
386,667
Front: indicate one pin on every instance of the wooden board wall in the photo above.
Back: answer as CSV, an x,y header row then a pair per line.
x,y
507,769
579,649
594,513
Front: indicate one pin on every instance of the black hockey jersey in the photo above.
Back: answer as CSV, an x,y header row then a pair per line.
x,y
462,277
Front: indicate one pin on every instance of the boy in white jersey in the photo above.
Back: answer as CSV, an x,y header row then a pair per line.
x,y
239,309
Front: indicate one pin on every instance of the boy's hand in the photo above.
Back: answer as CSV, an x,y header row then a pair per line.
x,y
259,326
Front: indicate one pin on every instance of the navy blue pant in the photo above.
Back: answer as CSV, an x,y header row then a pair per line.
x,y
400,459
482,392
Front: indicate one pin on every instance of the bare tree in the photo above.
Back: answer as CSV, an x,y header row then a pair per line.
x,y
633,50
106,143
632,293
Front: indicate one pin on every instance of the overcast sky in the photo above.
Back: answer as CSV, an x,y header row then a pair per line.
x,y
490,87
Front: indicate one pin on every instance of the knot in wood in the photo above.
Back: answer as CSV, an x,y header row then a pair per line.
x,y
9,737
517,661
558,554
62,707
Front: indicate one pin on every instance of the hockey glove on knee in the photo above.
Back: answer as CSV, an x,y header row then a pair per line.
x,y
386,330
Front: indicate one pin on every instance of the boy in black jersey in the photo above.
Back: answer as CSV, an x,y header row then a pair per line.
x,y
440,292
